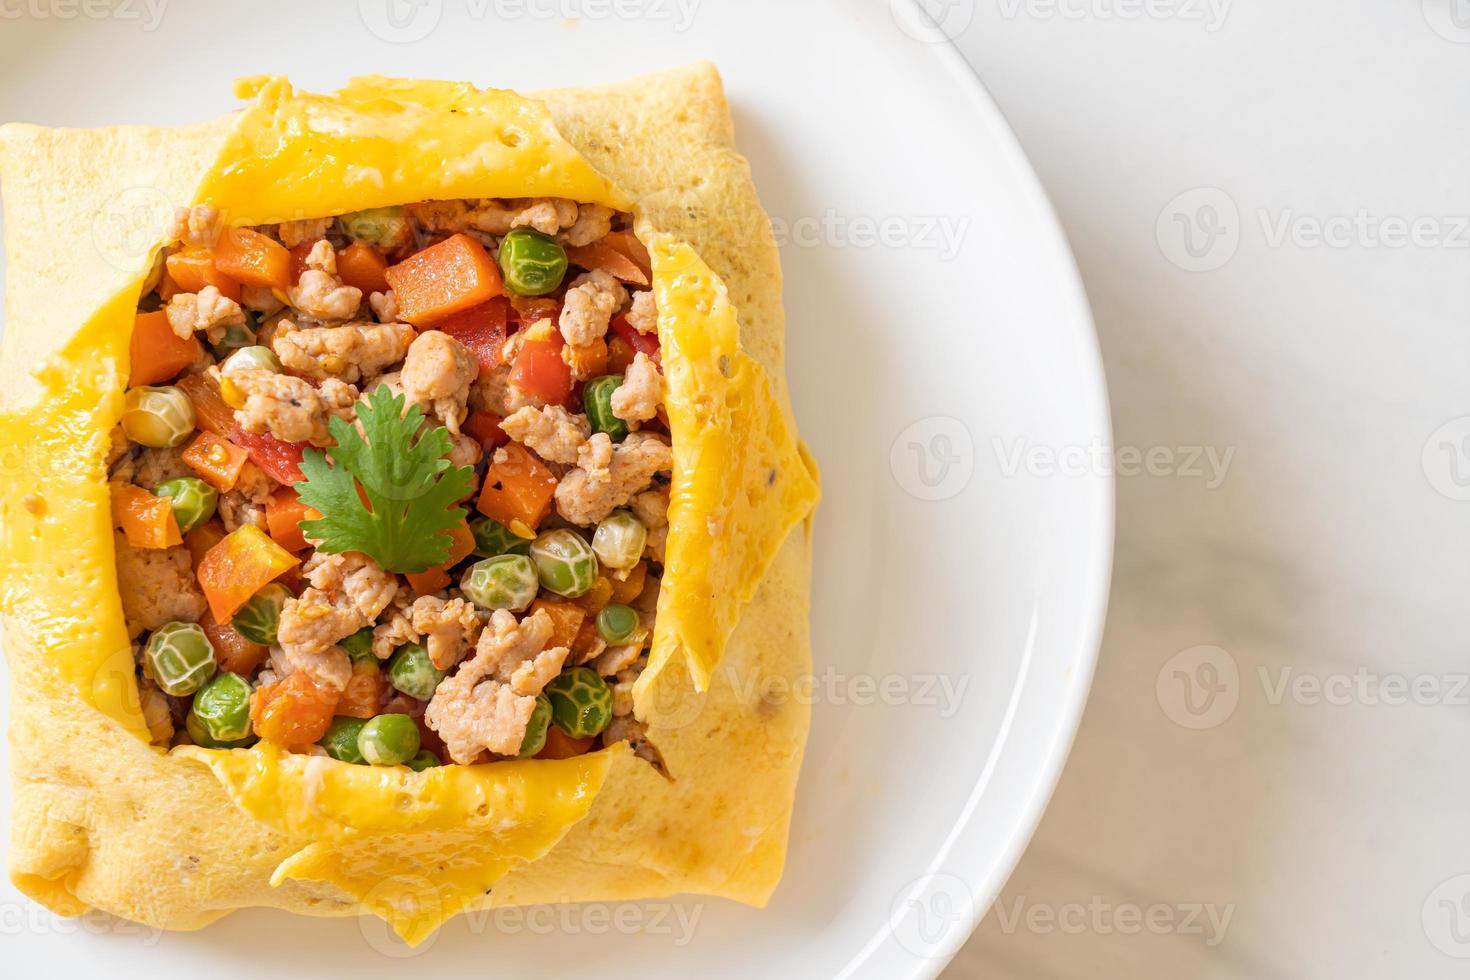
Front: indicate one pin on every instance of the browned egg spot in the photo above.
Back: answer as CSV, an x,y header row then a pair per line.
x,y
35,504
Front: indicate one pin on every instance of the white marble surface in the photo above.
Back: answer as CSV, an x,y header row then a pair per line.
x,y
1322,823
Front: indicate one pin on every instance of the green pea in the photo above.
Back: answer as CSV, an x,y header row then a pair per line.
x,y
193,501
237,336
359,645
180,658
222,708
159,417
251,358
535,739
411,671
502,582
494,538
378,226
341,739
533,264
259,618
617,624
388,740
581,703
424,760
619,540
200,736
564,562
597,400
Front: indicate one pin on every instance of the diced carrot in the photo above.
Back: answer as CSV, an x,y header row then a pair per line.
x,y
587,360
627,243
167,289
284,513
217,461
210,410
631,587
194,267
560,745
363,696
517,488
363,266
444,278
146,521
482,329
280,460
566,620
155,352
602,256
234,653
620,354
539,369
253,259
295,711
462,542
238,567
202,538
587,637
596,597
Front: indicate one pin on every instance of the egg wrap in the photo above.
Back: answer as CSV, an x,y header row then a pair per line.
x,y
177,839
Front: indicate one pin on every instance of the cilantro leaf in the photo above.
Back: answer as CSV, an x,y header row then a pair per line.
x,y
405,476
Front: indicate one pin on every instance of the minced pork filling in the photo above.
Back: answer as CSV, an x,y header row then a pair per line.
x,y
391,486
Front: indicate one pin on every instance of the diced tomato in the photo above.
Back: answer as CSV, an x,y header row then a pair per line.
x,y
298,259
620,354
646,343
529,309
155,352
482,329
363,266
484,427
539,369
280,460
443,279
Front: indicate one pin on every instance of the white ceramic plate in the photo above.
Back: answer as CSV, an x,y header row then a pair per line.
x,y
942,362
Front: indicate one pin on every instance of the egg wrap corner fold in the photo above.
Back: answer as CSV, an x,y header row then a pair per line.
x,y
85,215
